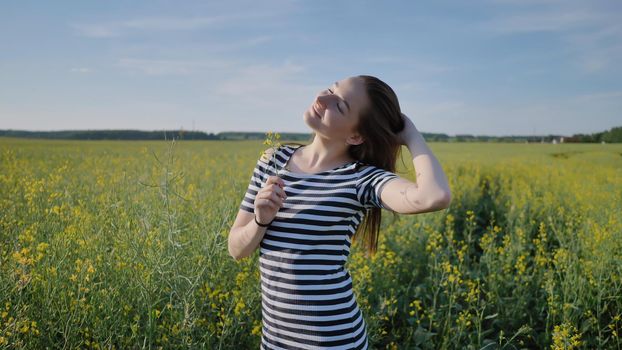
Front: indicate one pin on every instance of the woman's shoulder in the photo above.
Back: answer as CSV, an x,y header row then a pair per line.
x,y
287,148
268,154
367,168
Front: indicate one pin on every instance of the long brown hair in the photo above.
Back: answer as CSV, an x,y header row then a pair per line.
x,y
378,125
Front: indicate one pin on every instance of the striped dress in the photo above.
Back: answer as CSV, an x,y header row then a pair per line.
x,y
307,296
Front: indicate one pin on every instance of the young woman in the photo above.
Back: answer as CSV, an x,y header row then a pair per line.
x,y
305,216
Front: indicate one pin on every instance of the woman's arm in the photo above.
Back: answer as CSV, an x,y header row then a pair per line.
x,y
245,235
431,180
430,192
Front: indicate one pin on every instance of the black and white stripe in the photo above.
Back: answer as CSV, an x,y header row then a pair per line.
x,y
307,297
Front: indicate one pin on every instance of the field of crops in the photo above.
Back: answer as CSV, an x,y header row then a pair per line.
x,y
124,245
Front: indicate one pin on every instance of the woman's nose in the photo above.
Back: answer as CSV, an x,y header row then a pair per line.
x,y
323,100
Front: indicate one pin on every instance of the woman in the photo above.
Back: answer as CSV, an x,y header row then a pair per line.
x,y
326,193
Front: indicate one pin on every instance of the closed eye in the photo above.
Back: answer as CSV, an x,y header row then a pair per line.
x,y
338,107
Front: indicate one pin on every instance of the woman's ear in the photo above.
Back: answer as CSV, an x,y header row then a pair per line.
x,y
355,140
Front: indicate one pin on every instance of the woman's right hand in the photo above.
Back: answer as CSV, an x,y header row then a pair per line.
x,y
408,133
270,199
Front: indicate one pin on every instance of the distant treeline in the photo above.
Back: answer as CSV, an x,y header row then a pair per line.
x,y
612,136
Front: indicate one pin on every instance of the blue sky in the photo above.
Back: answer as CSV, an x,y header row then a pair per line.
x,y
488,67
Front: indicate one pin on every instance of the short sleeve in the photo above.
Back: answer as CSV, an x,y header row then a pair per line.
x,y
369,185
257,181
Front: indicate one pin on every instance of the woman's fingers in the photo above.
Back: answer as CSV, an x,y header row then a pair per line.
x,y
272,194
273,188
276,184
272,197
275,180
281,192
275,197
267,202
406,134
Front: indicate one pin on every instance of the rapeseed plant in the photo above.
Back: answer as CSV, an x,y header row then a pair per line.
x,y
100,245
272,140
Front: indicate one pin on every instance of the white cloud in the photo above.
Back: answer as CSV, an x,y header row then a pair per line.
x,y
411,62
259,79
81,70
525,2
119,28
260,97
591,35
238,45
616,94
171,67
549,21
96,30
597,50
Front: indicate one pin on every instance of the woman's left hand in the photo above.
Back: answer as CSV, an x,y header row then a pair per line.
x,y
409,132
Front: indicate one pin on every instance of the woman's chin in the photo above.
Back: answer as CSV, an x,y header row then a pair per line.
x,y
310,119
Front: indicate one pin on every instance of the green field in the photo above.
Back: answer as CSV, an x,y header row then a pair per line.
x,y
123,244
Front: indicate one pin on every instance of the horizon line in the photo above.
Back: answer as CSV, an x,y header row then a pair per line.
x,y
288,132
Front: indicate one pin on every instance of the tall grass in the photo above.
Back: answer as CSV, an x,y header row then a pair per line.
x,y
124,245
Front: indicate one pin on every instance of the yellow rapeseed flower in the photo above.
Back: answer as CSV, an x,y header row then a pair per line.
x,y
272,140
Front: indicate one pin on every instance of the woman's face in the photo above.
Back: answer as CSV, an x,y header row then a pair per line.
x,y
335,111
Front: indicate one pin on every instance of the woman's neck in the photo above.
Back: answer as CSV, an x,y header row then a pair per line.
x,y
319,154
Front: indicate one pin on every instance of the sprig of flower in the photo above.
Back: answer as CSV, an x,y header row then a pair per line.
x,y
272,140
